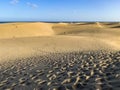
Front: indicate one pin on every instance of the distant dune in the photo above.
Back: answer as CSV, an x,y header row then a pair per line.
x,y
18,30
15,30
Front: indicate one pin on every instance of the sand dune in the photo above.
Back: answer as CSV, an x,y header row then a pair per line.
x,y
15,30
99,24
88,29
59,56
25,39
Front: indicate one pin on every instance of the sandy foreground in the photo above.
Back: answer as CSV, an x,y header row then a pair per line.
x,y
60,56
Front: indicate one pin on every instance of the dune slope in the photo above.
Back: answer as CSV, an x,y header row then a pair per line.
x,y
15,30
60,56
26,39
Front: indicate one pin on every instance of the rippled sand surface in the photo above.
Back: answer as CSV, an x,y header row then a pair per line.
x,y
92,70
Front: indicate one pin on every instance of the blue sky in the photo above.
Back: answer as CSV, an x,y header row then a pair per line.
x,y
59,10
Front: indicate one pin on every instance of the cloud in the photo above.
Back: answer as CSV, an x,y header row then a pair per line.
x,y
32,5
14,2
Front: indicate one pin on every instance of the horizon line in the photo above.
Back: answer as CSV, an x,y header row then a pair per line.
x,y
55,21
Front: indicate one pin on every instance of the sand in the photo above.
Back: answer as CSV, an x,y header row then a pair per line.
x,y
60,56
16,30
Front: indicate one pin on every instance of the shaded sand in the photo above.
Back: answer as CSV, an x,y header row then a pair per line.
x,y
88,29
91,70
60,56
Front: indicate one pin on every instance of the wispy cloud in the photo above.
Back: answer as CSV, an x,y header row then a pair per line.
x,y
14,1
33,5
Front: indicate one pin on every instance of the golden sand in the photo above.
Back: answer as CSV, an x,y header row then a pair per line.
x,y
59,56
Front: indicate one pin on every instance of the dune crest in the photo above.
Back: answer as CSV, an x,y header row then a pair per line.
x,y
17,30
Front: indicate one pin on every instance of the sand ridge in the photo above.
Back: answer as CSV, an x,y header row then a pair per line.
x,y
17,30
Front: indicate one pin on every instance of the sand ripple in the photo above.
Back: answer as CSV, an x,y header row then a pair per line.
x,y
93,70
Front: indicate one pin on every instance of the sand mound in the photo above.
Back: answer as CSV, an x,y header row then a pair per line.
x,y
87,29
99,25
116,26
113,25
13,30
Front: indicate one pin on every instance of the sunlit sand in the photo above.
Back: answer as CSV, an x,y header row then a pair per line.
x,y
59,56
